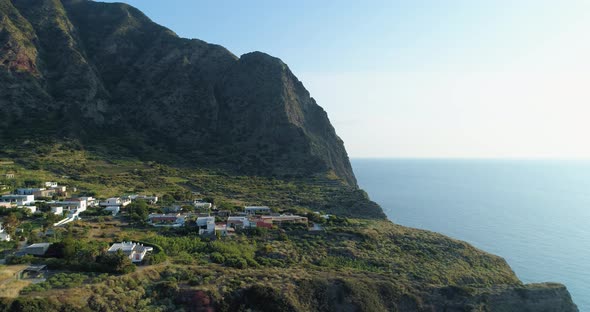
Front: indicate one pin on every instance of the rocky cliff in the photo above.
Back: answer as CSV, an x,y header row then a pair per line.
x,y
107,75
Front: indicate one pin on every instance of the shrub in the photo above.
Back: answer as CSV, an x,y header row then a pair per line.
x,y
217,257
238,263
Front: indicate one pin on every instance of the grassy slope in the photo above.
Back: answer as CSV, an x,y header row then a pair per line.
x,y
92,172
371,263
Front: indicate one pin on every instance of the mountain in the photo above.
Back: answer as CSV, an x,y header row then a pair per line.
x,y
99,97
105,74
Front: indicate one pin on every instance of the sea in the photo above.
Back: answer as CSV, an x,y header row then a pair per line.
x,y
533,213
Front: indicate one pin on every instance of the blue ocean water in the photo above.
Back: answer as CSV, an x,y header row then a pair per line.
x,y
535,214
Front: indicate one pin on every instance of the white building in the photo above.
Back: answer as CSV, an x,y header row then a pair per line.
x,y
57,210
75,205
50,184
19,200
116,201
206,225
252,210
203,205
148,199
135,251
90,201
238,222
4,237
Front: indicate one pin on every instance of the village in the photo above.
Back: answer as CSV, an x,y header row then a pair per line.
x,y
51,201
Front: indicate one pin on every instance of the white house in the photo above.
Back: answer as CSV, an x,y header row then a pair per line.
x,y
252,210
238,222
149,199
76,205
50,184
223,230
116,201
19,200
135,251
206,225
57,210
4,237
90,201
202,205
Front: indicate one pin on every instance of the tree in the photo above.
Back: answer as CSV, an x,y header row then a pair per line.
x,y
138,211
10,223
69,248
117,262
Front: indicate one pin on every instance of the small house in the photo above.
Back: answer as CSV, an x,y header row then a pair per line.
x,y
38,249
238,222
282,219
148,199
202,205
116,201
90,201
57,210
223,230
206,225
253,210
4,237
44,193
135,251
75,205
19,200
170,219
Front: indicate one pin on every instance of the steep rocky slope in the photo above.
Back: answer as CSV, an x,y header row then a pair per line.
x,y
107,75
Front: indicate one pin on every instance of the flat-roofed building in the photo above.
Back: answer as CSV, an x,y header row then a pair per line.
x,y
135,251
38,249
252,210
206,225
170,219
238,222
19,200
281,219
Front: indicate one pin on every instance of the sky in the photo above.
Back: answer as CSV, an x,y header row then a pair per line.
x,y
421,78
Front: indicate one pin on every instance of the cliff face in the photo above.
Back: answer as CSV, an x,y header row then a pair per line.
x,y
107,75
340,295
547,297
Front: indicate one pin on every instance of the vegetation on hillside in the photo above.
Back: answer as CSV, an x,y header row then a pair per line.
x,y
105,173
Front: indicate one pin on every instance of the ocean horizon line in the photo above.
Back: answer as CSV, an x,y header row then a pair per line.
x,y
578,159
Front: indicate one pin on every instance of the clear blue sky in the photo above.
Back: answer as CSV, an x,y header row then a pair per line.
x,y
421,78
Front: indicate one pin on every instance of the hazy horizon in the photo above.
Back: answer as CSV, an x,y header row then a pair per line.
x,y
421,79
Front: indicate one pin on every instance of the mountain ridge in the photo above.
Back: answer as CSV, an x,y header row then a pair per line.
x,y
106,70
